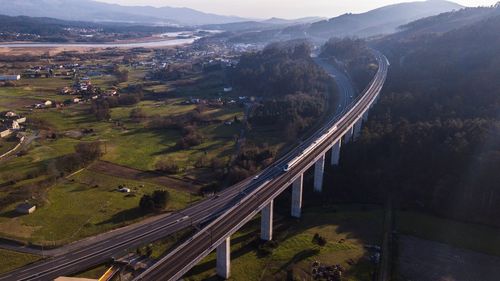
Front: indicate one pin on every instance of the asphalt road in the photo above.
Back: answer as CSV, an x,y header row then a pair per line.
x,y
272,182
96,250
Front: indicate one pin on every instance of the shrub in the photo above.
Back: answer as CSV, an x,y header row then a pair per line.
x,y
155,202
320,240
167,166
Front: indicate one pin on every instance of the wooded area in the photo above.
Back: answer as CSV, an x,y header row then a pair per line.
x,y
433,141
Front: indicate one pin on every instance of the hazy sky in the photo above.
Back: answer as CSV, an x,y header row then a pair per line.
x,y
281,8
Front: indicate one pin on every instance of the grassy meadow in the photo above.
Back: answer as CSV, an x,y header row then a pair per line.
x,y
347,230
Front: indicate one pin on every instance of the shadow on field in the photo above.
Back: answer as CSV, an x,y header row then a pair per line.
x,y
300,256
123,216
10,214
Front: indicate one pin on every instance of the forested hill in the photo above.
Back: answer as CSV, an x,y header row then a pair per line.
x,y
465,63
22,28
281,69
39,26
293,90
433,141
447,21
384,20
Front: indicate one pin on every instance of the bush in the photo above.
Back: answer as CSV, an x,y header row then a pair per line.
x,y
146,203
155,202
320,240
167,166
137,114
191,137
266,248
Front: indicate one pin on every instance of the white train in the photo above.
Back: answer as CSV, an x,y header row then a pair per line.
x,y
308,149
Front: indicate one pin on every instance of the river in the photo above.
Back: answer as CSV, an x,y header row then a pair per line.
x,y
152,44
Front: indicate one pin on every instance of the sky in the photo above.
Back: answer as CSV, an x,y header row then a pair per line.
x,y
281,8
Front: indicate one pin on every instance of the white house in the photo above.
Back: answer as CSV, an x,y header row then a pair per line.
x,y
10,114
5,132
21,120
124,190
25,208
14,125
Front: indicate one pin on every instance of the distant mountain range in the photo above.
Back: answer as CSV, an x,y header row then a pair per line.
x,y
449,21
88,10
451,24
273,23
380,21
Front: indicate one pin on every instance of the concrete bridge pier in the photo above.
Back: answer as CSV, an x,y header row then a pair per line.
x,y
266,223
365,116
357,129
348,135
336,153
297,188
224,259
319,169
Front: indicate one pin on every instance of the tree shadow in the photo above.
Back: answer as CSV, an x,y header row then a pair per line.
x,y
123,216
300,256
10,214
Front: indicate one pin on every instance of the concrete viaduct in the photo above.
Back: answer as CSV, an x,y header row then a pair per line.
x,y
288,171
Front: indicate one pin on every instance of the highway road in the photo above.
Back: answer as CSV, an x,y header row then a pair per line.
x,y
272,182
96,250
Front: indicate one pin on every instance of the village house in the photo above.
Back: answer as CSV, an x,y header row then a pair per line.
x,y
10,123
5,131
111,93
25,208
66,91
10,115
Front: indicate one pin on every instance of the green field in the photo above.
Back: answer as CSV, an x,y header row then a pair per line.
x,y
86,204
131,145
7,144
12,260
470,236
347,229
30,91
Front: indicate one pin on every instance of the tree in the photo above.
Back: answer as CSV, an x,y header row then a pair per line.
x,y
146,203
155,202
101,109
167,166
89,151
160,199
137,114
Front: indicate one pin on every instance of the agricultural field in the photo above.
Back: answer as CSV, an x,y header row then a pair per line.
x,y
12,260
7,144
445,248
464,235
87,202
346,229
134,146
